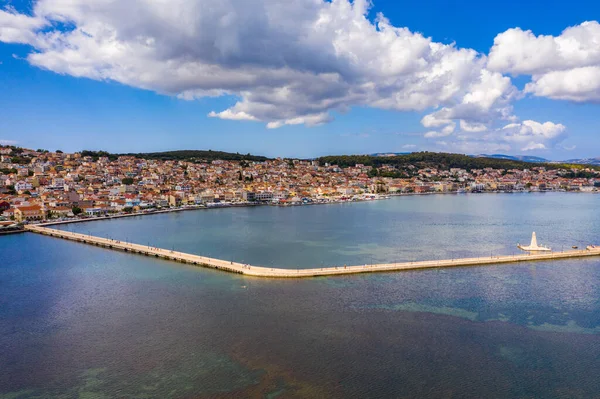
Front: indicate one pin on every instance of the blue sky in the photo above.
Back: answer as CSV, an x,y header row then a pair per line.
x,y
73,104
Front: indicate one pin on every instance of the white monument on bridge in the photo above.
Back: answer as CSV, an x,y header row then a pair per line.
x,y
533,246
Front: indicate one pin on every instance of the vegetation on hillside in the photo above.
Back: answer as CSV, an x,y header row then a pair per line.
x,y
198,155
440,160
181,155
97,154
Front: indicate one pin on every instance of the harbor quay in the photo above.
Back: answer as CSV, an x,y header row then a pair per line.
x,y
261,271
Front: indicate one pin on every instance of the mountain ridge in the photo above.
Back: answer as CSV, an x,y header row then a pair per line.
x,y
522,158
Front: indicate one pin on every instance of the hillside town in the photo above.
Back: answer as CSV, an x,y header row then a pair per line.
x,y
41,185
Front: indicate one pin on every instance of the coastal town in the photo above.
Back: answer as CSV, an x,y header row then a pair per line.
x,y
41,185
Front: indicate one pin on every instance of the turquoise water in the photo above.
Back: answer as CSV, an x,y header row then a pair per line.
x,y
402,228
78,321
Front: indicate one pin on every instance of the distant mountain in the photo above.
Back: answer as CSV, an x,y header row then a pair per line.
x,y
585,161
523,158
528,158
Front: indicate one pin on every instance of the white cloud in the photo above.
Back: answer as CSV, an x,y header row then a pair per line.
x,y
534,146
231,115
474,147
435,134
578,84
446,131
288,62
488,99
7,142
472,127
449,129
18,28
523,136
409,146
565,67
522,53
432,121
309,120
533,132
298,62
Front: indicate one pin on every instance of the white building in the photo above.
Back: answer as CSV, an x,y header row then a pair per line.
x,y
23,186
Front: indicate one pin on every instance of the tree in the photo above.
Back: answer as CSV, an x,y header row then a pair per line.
x,y
59,152
127,181
76,210
128,209
49,214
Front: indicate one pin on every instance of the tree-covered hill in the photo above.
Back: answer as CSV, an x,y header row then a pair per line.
x,y
198,155
181,155
439,160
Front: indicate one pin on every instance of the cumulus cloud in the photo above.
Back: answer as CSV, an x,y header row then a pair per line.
x,y
577,84
523,136
287,62
565,67
489,99
532,135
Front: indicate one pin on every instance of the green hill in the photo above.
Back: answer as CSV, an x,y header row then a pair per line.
x,y
182,155
440,160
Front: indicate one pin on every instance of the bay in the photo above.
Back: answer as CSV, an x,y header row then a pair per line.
x,y
82,321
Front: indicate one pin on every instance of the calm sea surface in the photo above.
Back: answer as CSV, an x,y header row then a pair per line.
x,y
77,321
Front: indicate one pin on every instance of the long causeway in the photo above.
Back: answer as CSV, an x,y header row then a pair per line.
x,y
261,271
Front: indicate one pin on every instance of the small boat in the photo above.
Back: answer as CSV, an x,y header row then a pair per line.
x,y
574,247
533,246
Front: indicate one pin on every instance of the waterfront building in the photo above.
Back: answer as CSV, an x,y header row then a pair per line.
x,y
28,213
